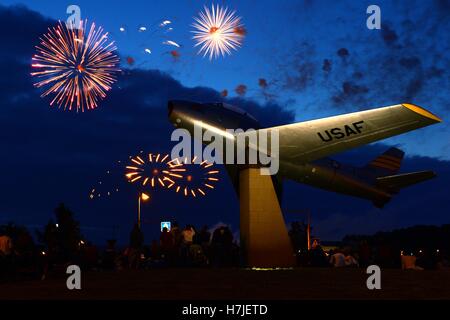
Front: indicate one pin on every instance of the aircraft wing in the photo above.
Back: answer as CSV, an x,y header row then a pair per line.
x,y
306,141
396,182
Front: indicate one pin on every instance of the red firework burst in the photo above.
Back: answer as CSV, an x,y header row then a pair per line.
x,y
76,66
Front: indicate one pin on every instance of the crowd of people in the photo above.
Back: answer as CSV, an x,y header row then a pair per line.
x,y
178,247
183,247
363,256
317,257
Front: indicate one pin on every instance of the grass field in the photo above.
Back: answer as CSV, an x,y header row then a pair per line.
x,y
175,284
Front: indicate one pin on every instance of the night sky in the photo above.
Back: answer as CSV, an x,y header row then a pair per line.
x,y
318,59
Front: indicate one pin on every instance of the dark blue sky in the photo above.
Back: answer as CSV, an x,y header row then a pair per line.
x,y
318,58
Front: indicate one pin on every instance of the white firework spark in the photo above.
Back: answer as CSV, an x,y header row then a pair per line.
x,y
171,43
217,31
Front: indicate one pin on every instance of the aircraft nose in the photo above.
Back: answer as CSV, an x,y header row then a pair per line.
x,y
176,109
181,112
171,106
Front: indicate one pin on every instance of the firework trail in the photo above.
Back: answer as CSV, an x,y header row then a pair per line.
x,y
217,31
104,188
109,183
76,66
144,34
171,43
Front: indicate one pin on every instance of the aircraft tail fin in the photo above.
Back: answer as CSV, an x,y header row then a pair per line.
x,y
394,183
387,163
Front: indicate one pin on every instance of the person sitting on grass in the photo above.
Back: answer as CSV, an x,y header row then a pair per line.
x,y
338,259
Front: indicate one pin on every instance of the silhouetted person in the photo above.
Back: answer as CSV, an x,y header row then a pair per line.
x,y
167,244
365,254
338,259
188,235
6,250
203,236
90,255
298,236
136,242
350,261
318,257
6,246
155,250
187,238
221,245
176,234
110,255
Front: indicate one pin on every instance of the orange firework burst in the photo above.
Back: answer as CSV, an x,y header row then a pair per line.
x,y
218,31
77,67
198,179
154,170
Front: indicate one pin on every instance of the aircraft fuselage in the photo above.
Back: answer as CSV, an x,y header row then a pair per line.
x,y
324,173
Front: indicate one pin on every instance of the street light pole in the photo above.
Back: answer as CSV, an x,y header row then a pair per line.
x,y
144,197
309,230
139,212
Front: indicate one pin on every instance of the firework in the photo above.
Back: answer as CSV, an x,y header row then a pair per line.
x,y
130,61
241,90
97,192
165,23
199,178
217,32
262,83
144,36
154,170
240,30
175,55
75,66
109,183
171,43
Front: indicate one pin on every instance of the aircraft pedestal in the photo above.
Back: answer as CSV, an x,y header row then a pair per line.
x,y
264,238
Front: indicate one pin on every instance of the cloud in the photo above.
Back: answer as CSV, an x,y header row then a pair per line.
x,y
52,156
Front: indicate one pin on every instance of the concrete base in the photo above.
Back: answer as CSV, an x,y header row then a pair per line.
x,y
264,238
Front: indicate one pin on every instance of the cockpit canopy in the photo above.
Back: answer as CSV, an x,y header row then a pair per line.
x,y
231,108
